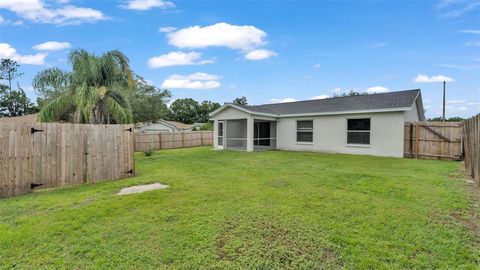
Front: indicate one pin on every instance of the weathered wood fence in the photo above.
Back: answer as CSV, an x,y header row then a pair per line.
x,y
471,129
55,154
434,140
169,140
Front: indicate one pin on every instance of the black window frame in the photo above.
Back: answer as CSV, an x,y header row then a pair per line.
x,y
361,129
304,130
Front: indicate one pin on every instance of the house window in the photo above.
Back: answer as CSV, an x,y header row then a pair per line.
x,y
358,131
305,131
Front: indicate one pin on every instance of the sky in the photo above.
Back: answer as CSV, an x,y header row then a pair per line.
x,y
268,51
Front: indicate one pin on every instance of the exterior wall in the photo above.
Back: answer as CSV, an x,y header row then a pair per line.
x,y
412,115
330,134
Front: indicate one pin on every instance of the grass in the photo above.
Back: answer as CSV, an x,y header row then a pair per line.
x,y
261,210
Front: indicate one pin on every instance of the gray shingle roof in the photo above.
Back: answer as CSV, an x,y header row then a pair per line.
x,y
391,100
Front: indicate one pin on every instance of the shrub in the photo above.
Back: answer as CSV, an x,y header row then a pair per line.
x,y
148,152
207,126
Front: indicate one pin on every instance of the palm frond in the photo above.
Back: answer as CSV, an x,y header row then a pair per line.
x,y
120,114
86,97
52,111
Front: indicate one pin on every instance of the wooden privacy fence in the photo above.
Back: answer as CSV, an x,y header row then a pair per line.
x,y
56,154
169,140
471,129
434,140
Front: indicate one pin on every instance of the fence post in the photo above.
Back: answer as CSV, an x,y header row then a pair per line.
x,y
201,138
159,141
182,139
417,140
411,140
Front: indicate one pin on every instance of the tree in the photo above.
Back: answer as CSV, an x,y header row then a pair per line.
x,y
451,119
240,101
206,107
95,89
51,83
184,110
351,94
13,102
9,71
149,104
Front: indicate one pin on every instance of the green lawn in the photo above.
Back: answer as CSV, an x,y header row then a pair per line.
x,y
262,210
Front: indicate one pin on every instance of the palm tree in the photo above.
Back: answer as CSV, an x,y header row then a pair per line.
x,y
94,90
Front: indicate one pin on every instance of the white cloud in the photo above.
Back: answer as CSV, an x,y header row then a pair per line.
x,y
470,31
456,8
282,100
377,89
177,59
244,37
166,29
432,79
38,11
316,66
473,43
193,81
8,52
2,20
338,90
147,4
320,97
460,67
52,46
463,108
260,54
456,101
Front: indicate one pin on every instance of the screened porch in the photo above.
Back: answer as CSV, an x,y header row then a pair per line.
x,y
233,134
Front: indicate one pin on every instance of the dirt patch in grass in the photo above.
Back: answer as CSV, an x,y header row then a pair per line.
x,y
141,189
265,243
279,183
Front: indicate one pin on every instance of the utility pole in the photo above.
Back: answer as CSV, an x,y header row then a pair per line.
x,y
444,82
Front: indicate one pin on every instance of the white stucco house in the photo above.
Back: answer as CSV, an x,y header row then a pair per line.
x,y
368,124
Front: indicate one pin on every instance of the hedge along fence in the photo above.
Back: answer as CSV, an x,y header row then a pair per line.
x,y
169,140
471,129
43,155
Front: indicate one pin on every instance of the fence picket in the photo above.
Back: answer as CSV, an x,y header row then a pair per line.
x,y
164,140
433,140
58,154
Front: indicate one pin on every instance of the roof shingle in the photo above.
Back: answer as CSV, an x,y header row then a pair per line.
x,y
391,100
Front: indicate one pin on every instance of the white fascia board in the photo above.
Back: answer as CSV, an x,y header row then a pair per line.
x,y
400,109
212,114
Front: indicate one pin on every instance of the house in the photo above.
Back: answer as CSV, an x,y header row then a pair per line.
x,y
166,126
367,124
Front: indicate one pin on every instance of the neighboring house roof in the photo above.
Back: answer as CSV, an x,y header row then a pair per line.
x,y
178,125
172,124
391,101
29,118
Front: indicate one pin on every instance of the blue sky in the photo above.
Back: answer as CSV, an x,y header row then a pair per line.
x,y
268,51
